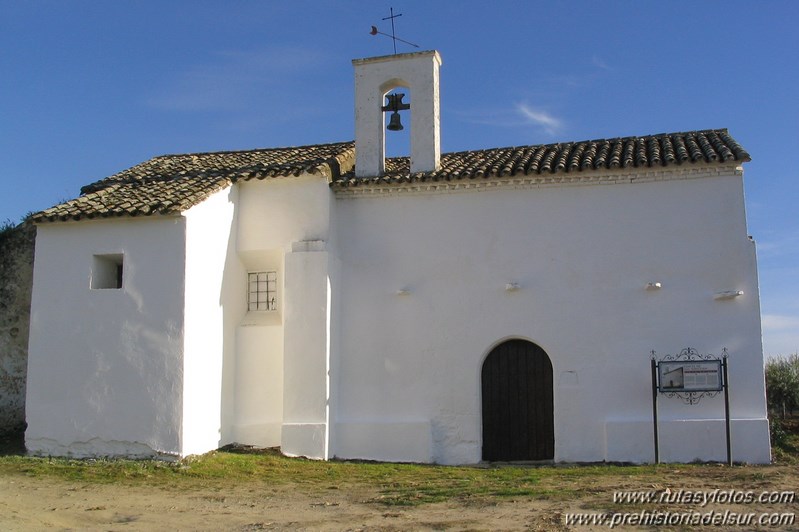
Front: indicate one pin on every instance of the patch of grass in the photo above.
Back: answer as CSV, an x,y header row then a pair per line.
x,y
97,471
785,439
435,484
395,484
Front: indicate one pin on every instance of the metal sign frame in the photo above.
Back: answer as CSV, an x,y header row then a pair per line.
x,y
678,376
692,376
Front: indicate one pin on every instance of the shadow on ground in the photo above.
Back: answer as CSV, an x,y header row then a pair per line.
x,y
12,443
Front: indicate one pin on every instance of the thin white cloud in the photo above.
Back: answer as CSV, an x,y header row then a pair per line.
x,y
784,246
599,63
233,79
777,322
521,116
550,124
780,334
559,83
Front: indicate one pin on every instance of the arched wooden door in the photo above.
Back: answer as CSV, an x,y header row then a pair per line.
x,y
518,415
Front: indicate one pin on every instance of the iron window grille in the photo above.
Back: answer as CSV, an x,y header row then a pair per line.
x,y
262,294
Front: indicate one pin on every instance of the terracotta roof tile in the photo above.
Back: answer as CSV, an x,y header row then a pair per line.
x,y
170,184
651,151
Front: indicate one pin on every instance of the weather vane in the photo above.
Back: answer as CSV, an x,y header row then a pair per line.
x,y
393,35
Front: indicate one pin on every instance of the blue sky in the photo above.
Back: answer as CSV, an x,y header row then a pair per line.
x,y
90,88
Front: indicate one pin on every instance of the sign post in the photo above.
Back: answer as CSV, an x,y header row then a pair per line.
x,y
655,405
727,408
690,376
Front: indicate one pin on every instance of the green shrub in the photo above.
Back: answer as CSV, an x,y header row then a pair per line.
x,y
778,435
782,384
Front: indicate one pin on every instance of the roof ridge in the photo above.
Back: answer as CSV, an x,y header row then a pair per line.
x,y
169,184
253,150
575,142
715,146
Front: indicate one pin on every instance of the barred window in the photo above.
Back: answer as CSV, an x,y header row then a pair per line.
x,y
262,294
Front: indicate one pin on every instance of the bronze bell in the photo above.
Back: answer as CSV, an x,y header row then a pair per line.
x,y
394,123
394,104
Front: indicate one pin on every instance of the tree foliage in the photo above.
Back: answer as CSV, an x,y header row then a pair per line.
x,y
782,384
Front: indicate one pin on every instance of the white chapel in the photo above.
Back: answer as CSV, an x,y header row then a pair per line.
x,y
500,304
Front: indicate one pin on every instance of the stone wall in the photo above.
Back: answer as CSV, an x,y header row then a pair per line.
x,y
16,277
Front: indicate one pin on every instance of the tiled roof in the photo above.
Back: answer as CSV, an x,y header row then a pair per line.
x,y
667,149
170,184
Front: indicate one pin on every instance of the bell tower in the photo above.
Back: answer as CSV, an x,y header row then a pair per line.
x,y
374,78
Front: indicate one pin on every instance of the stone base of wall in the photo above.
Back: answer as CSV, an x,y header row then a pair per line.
x,y
16,279
96,448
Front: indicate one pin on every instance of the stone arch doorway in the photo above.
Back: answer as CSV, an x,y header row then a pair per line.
x,y
518,413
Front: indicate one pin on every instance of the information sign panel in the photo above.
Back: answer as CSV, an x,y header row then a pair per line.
x,y
693,376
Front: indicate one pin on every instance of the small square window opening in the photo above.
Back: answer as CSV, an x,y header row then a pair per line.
x,y
107,271
262,292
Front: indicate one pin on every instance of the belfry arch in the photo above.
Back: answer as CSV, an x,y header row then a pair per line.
x,y
397,142
376,76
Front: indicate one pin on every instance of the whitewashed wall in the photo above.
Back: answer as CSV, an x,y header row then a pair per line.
x,y
277,212
105,366
178,365
388,305
408,386
215,291
282,356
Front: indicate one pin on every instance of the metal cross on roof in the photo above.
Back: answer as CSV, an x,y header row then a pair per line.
x,y
393,35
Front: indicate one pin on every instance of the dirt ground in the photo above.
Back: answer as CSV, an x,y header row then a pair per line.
x,y
37,503
41,503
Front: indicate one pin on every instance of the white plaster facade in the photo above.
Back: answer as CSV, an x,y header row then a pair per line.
x,y
582,256
389,300
105,366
